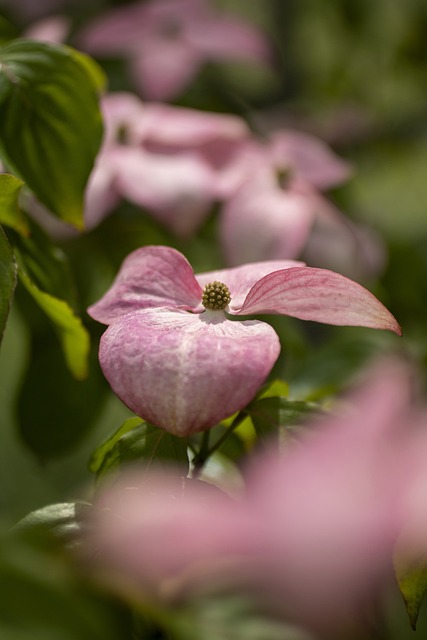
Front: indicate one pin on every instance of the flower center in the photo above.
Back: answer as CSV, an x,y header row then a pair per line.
x,y
216,296
284,177
171,28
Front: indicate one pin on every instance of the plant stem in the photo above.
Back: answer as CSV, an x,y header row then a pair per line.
x,y
205,452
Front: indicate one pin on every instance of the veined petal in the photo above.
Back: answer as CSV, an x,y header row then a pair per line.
x,y
153,276
242,278
185,372
320,295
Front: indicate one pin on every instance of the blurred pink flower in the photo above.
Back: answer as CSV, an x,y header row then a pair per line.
x,y
312,537
168,41
169,160
277,200
54,29
171,353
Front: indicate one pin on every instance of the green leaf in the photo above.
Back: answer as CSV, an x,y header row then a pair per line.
x,y
45,263
50,122
44,598
274,388
73,336
64,520
269,415
230,617
10,212
7,279
101,454
139,442
56,411
7,30
412,581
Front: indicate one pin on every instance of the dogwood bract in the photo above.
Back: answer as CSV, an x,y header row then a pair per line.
x,y
174,357
168,41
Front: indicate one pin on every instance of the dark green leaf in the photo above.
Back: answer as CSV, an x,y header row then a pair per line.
x,y
7,279
103,451
64,520
50,122
269,415
45,263
327,368
143,443
74,337
7,30
56,411
43,598
10,213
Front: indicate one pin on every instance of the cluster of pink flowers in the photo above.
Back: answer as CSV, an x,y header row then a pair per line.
x,y
176,163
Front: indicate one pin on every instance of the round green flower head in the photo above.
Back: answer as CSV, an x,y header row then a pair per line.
x,y
216,296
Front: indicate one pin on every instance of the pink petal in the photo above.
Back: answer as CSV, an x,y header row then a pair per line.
x,y
132,524
338,243
114,32
241,279
319,295
149,277
101,195
178,127
264,222
52,29
177,189
185,372
225,38
122,112
309,158
331,527
163,70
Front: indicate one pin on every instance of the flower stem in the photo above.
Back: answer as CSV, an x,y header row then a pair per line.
x,y
205,452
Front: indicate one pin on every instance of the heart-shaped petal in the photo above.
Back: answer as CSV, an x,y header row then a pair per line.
x,y
185,372
153,276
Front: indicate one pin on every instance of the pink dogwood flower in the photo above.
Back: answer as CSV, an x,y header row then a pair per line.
x,y
174,357
169,160
168,41
311,537
272,212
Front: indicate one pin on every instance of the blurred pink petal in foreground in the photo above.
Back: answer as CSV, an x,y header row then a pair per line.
x,y
183,365
168,41
311,539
